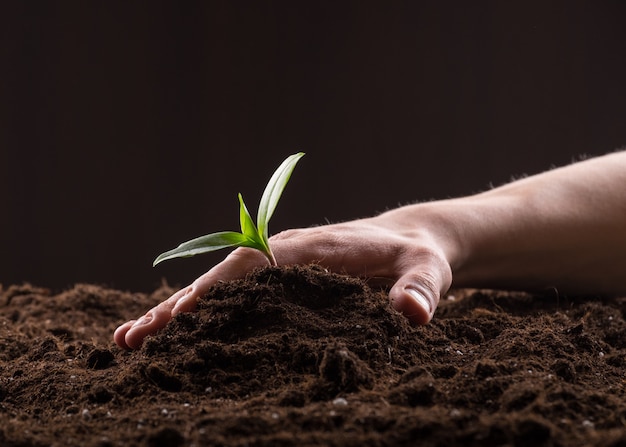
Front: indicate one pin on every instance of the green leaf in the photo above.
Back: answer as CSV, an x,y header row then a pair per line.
x,y
248,227
273,191
252,235
205,244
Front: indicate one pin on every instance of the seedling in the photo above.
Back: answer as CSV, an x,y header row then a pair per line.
x,y
252,235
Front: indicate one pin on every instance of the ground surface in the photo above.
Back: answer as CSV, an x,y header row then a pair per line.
x,y
302,357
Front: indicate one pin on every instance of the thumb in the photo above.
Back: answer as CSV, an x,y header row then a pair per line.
x,y
416,294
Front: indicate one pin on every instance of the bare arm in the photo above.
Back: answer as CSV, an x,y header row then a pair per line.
x,y
565,228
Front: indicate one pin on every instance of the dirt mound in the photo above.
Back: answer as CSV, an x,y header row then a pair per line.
x,y
297,331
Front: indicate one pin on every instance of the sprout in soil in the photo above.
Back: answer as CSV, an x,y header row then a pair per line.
x,y
254,236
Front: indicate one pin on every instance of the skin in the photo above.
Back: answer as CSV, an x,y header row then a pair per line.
x,y
564,229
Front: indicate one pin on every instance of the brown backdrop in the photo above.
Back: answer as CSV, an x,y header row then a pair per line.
x,y
127,127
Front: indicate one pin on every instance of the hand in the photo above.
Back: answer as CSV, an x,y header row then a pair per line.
x,y
389,248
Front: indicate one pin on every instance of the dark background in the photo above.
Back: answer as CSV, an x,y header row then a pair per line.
x,y
128,127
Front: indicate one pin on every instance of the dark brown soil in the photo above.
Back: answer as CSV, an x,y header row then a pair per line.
x,y
303,357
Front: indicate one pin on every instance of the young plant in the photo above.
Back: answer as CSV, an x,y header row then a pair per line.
x,y
252,235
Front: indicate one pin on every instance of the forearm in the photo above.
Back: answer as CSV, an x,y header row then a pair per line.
x,y
563,229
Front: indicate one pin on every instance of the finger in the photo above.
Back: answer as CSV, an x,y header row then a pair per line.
x,y
154,320
120,334
236,265
417,292
130,335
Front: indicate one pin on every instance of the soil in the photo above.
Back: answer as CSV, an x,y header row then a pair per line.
x,y
300,356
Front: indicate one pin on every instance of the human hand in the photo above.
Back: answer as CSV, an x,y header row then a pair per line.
x,y
387,249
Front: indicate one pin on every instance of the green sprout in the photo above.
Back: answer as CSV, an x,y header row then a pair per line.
x,y
253,236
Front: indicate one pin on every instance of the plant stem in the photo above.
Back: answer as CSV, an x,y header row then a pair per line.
x,y
270,256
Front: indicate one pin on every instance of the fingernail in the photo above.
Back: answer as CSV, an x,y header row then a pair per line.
x,y
143,320
421,299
